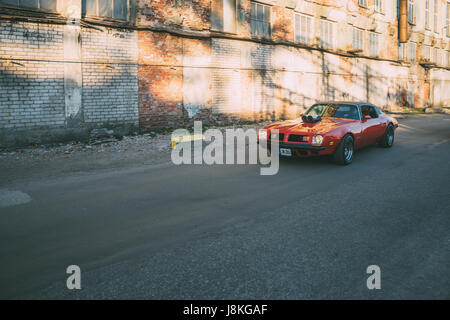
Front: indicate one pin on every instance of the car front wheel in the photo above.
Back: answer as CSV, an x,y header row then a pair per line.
x,y
388,138
344,152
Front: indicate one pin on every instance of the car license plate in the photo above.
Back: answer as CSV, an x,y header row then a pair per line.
x,y
285,152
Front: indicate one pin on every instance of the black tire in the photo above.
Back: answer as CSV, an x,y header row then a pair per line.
x,y
388,138
345,151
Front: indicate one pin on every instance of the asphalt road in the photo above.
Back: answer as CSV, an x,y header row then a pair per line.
x,y
219,232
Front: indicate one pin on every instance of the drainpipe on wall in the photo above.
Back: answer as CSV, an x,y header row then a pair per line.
x,y
403,22
72,66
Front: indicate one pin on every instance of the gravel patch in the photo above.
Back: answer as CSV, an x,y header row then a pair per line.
x,y
108,153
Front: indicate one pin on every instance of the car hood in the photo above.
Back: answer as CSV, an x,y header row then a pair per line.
x,y
298,126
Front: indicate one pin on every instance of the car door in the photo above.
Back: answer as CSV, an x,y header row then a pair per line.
x,y
380,123
370,127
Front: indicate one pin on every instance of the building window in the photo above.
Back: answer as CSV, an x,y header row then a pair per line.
x,y
303,30
37,4
223,15
114,9
411,12
412,52
379,6
435,16
427,53
447,19
427,14
435,56
326,34
260,20
362,3
401,51
357,39
374,43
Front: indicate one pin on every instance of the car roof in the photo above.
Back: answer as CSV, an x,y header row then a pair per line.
x,y
344,102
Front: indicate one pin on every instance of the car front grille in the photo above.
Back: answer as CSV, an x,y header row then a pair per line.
x,y
296,138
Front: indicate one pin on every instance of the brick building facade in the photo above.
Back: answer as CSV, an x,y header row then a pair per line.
x,y
70,66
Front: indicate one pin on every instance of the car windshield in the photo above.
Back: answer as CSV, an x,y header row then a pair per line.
x,y
346,111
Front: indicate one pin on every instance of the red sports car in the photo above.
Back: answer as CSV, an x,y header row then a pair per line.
x,y
332,128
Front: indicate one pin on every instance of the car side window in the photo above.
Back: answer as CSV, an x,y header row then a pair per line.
x,y
346,112
369,111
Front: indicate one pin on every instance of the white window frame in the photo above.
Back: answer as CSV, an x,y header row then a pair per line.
x,y
378,6
299,28
435,16
401,51
427,14
358,39
37,7
328,26
374,43
84,10
427,53
412,51
435,55
447,19
411,11
254,20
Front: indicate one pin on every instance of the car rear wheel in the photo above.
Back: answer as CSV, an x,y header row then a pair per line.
x,y
388,138
345,151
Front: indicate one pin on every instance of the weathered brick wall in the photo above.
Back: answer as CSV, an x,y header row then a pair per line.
x,y
160,81
439,87
174,80
31,88
110,86
155,79
32,82
178,14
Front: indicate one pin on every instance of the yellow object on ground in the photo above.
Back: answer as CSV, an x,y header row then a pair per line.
x,y
193,137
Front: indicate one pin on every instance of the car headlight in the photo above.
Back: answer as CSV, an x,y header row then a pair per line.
x,y
263,134
317,139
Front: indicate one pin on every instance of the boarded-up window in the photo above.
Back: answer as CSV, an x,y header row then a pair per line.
x,y
37,4
223,15
115,9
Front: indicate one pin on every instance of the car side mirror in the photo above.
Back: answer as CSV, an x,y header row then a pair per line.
x,y
367,117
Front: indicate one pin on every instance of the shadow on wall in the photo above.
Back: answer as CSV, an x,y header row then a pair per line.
x,y
34,91
33,105
226,84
